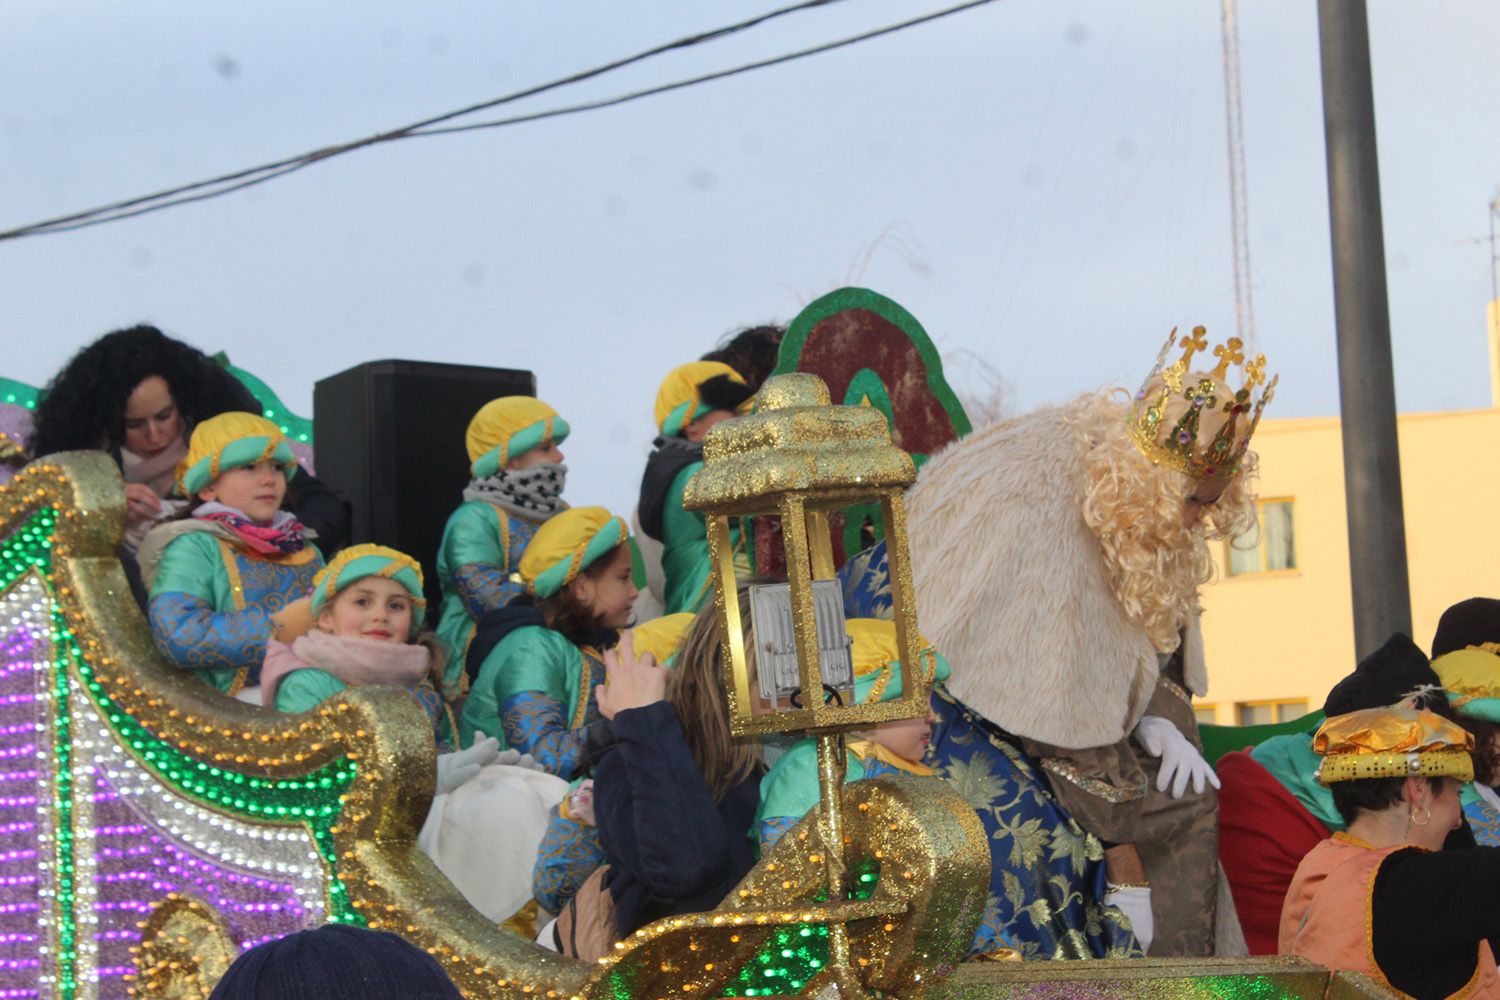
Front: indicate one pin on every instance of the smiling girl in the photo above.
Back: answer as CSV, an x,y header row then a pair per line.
x,y
232,572
487,816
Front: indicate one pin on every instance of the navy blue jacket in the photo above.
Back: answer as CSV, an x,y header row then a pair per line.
x,y
671,848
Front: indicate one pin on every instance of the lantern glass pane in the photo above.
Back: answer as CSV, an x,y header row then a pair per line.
x,y
778,679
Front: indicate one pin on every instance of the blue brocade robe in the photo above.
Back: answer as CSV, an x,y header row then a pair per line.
x,y
1046,873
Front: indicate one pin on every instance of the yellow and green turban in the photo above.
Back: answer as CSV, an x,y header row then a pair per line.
x,y
877,660
508,427
1392,743
229,441
360,561
679,401
1471,677
567,544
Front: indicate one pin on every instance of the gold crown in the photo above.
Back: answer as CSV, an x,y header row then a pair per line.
x,y
1167,417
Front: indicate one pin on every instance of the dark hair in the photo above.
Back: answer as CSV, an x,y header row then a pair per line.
x,y
566,614
752,352
1485,758
1370,795
83,407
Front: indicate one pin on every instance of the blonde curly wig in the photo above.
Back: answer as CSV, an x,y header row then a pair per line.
x,y
1155,562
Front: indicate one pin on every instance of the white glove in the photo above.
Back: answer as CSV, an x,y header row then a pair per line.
x,y
1180,760
516,758
453,769
1135,903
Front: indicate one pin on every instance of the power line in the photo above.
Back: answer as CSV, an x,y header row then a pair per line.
x,y
279,167
238,180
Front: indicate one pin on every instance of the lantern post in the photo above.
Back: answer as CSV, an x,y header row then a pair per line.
x,y
798,458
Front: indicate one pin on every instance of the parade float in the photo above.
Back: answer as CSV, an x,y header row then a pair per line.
x,y
151,829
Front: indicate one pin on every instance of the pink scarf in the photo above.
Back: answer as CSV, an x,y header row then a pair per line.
x,y
353,661
283,536
158,471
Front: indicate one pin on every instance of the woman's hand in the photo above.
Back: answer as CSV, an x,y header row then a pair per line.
x,y
629,681
141,503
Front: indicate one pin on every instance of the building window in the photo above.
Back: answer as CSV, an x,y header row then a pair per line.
x,y
1264,713
1206,714
1272,548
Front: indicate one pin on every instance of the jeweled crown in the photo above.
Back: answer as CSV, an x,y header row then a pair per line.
x,y
1193,422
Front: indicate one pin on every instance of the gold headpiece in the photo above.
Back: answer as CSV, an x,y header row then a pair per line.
x,y
1176,409
1392,743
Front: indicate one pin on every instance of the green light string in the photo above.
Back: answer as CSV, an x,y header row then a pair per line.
x,y
297,428
313,800
18,393
796,953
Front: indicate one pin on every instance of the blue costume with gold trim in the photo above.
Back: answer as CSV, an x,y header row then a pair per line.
x,y
535,692
570,851
212,603
481,548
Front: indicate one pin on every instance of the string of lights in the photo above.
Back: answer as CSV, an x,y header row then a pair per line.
x,y
224,184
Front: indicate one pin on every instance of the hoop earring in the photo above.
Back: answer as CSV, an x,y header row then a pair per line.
x,y
1426,817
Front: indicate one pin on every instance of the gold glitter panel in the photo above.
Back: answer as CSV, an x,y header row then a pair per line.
x,y
1143,978
185,950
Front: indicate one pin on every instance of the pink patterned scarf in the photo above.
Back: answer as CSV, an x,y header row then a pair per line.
x,y
283,536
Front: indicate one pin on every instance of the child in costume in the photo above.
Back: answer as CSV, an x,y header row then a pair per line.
x,y
692,399
518,481
571,848
487,817
226,577
366,609
790,788
536,661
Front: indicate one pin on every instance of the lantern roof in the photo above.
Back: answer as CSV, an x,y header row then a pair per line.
x,y
796,442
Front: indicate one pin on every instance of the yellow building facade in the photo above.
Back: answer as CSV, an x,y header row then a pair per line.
x,y
1278,619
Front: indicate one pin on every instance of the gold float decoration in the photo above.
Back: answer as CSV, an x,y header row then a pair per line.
x,y
110,709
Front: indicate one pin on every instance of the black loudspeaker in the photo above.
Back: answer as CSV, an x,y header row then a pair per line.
x,y
389,436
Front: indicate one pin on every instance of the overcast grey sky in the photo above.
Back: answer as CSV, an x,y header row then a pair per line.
x,y
1041,183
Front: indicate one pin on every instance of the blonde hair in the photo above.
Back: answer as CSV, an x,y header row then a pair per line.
x,y
696,691
1155,563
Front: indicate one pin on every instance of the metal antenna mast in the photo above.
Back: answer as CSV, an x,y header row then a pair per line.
x,y
1244,310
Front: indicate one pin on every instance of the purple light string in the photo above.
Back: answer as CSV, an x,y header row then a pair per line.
x,y
136,867
22,670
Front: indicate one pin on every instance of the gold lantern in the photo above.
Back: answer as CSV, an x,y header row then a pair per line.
x,y
798,458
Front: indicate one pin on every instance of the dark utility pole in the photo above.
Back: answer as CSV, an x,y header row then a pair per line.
x,y
1367,391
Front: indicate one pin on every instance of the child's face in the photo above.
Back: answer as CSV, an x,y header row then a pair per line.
x,y
369,608
548,452
906,738
610,595
255,489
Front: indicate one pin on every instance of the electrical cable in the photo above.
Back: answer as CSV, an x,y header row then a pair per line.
x,y
252,176
275,168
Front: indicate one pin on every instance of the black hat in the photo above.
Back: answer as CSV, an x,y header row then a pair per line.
x,y
1468,623
723,393
1382,678
336,962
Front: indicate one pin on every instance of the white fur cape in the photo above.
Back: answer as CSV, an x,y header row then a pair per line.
x,y
1012,587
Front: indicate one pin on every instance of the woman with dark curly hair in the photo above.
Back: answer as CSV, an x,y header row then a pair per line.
x,y
137,394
